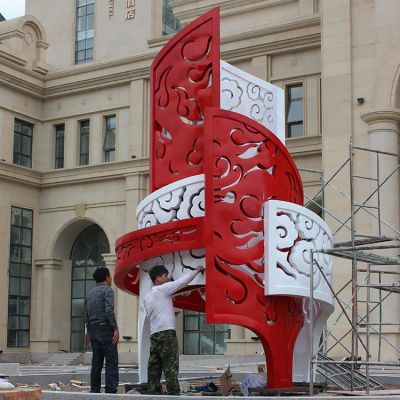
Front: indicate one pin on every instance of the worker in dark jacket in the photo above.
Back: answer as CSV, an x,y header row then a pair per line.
x,y
103,331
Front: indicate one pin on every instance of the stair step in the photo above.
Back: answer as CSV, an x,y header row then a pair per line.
x,y
61,359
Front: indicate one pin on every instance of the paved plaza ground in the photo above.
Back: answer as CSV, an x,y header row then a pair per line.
x,y
192,369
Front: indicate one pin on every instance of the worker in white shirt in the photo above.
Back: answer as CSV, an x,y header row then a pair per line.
x,y
164,353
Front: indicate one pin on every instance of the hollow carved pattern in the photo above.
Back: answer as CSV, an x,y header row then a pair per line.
x,y
146,243
292,232
262,105
252,97
181,200
185,80
245,166
179,263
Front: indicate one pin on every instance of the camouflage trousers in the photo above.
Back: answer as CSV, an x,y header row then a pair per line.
x,y
164,357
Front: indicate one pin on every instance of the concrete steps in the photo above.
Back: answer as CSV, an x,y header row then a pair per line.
x,y
63,359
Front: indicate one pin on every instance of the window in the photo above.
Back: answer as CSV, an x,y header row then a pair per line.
x,y
84,142
316,205
202,338
19,281
22,143
59,150
84,31
171,24
86,256
294,121
109,139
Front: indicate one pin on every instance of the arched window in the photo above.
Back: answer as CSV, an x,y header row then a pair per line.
x,y
86,257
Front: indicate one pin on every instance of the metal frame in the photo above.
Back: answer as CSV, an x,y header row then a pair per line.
x,y
359,249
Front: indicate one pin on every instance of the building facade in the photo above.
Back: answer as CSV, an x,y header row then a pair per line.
x,y
74,134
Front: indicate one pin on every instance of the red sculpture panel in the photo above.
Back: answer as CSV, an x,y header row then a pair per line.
x,y
247,165
140,245
184,81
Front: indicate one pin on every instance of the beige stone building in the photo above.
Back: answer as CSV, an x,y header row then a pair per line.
x,y
74,139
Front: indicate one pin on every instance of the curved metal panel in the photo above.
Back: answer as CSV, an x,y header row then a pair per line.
x,y
184,81
246,165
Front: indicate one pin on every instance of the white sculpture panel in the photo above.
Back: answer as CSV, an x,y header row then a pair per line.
x,y
302,349
250,96
291,232
179,200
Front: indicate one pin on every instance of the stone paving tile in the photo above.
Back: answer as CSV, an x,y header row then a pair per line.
x,y
89,396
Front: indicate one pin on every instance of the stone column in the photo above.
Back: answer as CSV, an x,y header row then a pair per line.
x,y
135,191
44,311
109,259
96,135
71,144
139,119
383,134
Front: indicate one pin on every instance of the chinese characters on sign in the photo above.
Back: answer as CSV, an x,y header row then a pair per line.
x,y
129,9
110,8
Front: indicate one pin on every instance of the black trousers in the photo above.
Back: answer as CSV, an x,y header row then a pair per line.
x,y
103,348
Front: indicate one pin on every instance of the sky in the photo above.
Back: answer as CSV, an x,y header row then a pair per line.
x,y
12,8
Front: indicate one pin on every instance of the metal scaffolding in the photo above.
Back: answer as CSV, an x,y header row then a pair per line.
x,y
369,283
